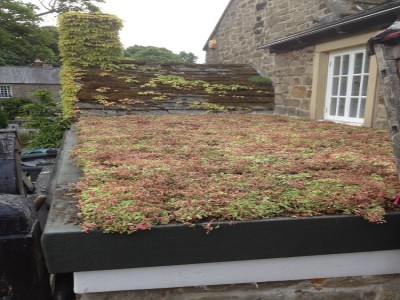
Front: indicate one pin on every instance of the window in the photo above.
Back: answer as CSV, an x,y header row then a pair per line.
x,y
347,85
5,91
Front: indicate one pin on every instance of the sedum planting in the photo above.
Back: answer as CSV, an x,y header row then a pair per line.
x,y
142,171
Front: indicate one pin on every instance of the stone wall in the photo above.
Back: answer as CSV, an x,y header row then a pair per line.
x,y
356,288
293,80
25,90
247,24
380,120
235,37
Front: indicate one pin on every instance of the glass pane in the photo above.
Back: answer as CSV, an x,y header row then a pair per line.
x,y
355,89
362,109
366,66
365,86
342,103
345,66
353,108
343,86
348,85
358,63
335,86
336,65
332,109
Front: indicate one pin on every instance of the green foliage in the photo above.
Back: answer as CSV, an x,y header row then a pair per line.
x,y
158,55
48,36
209,107
62,6
3,119
188,57
257,79
13,106
86,40
45,116
25,138
40,110
69,89
180,83
22,40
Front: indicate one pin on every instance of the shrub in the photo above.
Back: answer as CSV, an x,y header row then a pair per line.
x,y
25,138
45,116
3,119
257,79
13,106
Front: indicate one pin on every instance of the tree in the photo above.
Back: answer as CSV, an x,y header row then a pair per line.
x,y
188,57
61,6
157,55
21,38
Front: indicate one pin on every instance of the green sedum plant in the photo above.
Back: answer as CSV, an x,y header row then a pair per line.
x,y
228,167
180,83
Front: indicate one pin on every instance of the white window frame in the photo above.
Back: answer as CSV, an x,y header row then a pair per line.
x,y
341,88
5,91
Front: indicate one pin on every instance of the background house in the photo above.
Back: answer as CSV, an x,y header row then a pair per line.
x,y
20,82
313,50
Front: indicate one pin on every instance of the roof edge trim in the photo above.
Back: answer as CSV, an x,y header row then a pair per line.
x,y
295,39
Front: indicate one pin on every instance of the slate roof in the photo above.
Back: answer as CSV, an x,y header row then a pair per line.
x,y
29,75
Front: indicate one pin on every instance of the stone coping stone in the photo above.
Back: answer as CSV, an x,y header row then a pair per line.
x,y
68,249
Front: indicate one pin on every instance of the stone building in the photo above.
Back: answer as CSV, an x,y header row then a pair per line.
x,y
313,50
20,82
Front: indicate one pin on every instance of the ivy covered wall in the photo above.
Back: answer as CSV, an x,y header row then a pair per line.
x,y
86,40
95,74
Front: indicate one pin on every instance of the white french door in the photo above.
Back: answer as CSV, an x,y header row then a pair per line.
x,y
347,85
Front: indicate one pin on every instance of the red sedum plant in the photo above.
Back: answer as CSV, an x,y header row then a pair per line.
x,y
141,171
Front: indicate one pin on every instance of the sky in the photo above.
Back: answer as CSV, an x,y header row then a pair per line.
x,y
178,25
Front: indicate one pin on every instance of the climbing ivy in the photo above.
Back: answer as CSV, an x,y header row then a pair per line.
x,y
86,40
180,83
90,40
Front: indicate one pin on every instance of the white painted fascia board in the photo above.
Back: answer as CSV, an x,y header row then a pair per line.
x,y
264,270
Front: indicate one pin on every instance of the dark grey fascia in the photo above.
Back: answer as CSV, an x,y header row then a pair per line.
x,y
377,18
